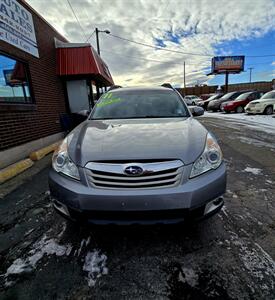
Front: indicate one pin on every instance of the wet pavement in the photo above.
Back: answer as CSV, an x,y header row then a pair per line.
x,y
229,256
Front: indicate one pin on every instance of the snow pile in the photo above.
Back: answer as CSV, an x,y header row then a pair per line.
x,y
189,276
254,171
258,263
257,122
95,265
41,248
84,243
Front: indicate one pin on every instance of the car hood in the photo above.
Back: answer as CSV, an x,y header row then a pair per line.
x,y
264,101
137,139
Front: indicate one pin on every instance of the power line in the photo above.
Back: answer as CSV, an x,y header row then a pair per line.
x,y
146,59
159,61
84,35
176,51
90,36
157,47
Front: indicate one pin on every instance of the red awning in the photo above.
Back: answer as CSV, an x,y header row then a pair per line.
x,y
81,60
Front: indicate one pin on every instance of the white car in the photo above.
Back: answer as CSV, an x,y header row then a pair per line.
x,y
264,105
192,99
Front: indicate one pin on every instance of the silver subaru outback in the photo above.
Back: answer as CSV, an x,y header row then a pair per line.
x,y
139,158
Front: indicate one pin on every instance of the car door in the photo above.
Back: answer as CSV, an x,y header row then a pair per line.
x,y
251,97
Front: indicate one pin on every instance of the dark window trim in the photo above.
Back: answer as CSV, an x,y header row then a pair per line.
x,y
20,105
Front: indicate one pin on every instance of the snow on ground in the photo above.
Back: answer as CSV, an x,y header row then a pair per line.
x,y
254,171
95,265
258,122
43,247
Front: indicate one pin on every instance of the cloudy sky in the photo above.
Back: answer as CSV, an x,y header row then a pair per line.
x,y
199,29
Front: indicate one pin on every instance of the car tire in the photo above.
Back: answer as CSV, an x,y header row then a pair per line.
x,y
239,110
193,103
268,110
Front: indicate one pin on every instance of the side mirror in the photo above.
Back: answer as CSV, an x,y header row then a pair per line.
x,y
84,113
196,111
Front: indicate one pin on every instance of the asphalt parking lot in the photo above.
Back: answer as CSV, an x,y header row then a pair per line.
x,y
230,256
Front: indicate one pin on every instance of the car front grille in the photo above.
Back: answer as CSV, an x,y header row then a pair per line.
x,y
155,175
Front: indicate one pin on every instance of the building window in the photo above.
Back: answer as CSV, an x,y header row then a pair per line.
x,y
14,83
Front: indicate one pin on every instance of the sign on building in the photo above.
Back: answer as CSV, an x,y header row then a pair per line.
x,y
230,64
16,26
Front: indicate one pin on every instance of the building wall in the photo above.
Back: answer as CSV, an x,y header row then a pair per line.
x,y
18,127
264,86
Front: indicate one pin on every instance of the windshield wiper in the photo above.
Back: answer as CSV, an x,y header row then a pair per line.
x,y
139,117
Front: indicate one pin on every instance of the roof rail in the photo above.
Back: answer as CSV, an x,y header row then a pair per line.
x,y
167,85
114,87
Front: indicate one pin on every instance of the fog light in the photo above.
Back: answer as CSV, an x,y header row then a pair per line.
x,y
61,207
212,205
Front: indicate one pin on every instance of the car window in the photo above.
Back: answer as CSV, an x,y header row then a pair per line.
x,y
227,96
139,104
217,96
269,95
244,96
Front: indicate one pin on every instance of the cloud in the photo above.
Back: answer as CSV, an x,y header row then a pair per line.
x,y
199,26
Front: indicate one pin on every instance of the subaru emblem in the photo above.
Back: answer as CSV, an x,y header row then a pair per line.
x,y
133,170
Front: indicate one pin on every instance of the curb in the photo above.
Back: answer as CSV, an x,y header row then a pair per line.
x,y
15,169
19,167
37,155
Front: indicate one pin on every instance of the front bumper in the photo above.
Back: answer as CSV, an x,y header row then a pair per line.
x,y
195,199
254,110
213,106
228,108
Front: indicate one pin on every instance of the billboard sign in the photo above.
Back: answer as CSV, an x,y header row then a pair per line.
x,y
230,64
16,26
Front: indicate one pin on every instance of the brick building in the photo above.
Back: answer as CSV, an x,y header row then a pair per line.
x,y
33,93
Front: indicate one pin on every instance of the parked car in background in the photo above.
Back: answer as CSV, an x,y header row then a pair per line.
x,y
264,105
204,103
240,102
216,105
206,96
171,171
192,99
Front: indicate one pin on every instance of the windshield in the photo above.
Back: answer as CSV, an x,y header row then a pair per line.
x,y
243,96
214,97
227,96
269,95
139,104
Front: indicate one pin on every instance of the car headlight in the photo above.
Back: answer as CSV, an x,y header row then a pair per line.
x,y
61,161
211,158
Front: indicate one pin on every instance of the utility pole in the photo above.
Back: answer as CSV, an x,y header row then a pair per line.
x,y
250,74
97,41
226,81
184,78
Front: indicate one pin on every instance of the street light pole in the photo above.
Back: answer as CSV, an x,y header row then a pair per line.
x,y
184,82
250,74
97,39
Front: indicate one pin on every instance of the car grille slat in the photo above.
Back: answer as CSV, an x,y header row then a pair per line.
x,y
129,178
156,175
136,184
